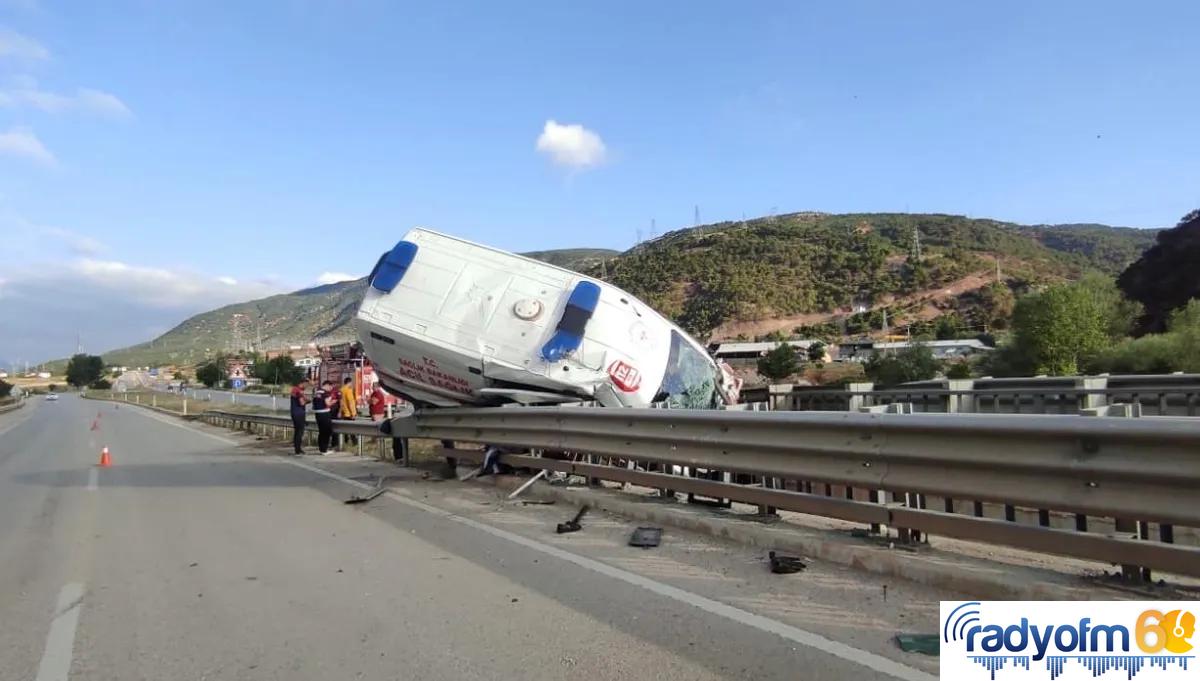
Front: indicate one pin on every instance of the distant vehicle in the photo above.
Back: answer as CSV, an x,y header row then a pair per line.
x,y
52,397
447,322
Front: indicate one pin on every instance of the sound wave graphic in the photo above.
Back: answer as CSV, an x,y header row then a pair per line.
x,y
1096,664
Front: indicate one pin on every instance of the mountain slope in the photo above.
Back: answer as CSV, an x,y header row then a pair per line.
x,y
804,270
320,314
811,267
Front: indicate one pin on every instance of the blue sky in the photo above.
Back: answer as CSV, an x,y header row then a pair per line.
x,y
179,155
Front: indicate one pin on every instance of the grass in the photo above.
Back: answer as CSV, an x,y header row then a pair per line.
x,y
171,402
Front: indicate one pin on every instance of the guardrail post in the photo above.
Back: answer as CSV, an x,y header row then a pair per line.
x,y
185,407
1088,399
779,397
960,404
858,398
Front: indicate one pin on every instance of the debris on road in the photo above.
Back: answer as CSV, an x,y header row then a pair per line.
x,y
537,502
785,565
527,484
646,537
379,489
573,524
925,644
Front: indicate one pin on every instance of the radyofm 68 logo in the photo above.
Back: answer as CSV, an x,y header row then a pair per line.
x,y
1069,640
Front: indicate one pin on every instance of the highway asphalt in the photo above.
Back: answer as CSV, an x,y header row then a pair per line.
x,y
202,555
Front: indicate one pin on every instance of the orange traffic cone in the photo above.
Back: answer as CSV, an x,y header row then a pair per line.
x,y
105,459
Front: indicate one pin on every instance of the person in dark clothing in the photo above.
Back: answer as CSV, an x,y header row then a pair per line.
x,y
321,403
298,402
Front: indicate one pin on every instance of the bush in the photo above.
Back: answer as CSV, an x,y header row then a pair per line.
x,y
53,387
209,373
816,352
914,363
280,370
779,363
101,384
958,370
5,388
1176,350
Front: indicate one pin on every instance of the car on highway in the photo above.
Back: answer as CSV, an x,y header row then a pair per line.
x,y
52,397
447,322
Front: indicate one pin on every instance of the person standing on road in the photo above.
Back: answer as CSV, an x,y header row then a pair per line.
x,y
321,409
348,405
377,404
298,402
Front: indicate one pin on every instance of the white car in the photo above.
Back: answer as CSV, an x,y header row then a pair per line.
x,y
52,397
447,322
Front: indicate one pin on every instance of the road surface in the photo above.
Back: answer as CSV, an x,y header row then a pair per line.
x,y
201,554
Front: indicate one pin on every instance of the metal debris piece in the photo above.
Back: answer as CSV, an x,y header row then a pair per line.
x,y
517,492
646,537
537,502
785,565
926,644
573,524
379,489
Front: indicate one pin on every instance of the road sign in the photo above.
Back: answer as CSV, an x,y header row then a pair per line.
x,y
237,383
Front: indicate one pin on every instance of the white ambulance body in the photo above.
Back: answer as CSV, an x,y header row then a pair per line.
x,y
447,322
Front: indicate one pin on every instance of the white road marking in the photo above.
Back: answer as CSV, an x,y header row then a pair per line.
x,y
93,479
169,420
60,642
795,634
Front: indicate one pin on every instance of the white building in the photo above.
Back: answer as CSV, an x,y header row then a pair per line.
x,y
744,352
860,351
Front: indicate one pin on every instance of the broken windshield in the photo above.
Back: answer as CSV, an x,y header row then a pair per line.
x,y
691,380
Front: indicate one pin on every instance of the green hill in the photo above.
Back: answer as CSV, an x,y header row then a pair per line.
x,y
800,273
790,271
320,314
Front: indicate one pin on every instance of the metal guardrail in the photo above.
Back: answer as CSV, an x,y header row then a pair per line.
x,y
12,406
880,469
1162,395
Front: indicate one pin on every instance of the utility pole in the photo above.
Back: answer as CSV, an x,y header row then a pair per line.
x,y
885,326
696,216
916,245
997,268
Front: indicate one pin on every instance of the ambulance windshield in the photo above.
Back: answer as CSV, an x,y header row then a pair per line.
x,y
691,378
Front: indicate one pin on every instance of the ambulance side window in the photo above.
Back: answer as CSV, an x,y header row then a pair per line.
x,y
690,379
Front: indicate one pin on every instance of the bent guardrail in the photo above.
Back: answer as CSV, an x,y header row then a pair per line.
x,y
1129,476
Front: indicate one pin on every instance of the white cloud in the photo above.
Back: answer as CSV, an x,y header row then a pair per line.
x,y
85,100
80,244
228,281
571,145
13,44
22,143
334,277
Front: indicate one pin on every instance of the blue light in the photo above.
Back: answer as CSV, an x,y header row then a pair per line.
x,y
568,335
392,267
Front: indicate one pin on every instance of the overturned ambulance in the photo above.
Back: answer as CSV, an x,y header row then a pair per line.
x,y
447,323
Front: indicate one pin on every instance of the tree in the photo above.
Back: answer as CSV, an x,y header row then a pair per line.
x,y
5,388
779,363
1164,278
84,369
1055,331
914,363
100,384
209,373
816,352
179,376
280,370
